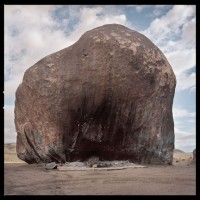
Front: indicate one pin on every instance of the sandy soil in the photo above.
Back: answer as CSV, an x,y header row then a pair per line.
x,y
177,179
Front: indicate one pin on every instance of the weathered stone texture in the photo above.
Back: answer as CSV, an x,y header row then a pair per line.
x,y
109,95
194,154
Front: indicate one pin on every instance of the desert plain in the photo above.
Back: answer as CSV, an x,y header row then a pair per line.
x,y
21,178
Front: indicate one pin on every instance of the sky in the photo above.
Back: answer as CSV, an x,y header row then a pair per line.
x,y
32,32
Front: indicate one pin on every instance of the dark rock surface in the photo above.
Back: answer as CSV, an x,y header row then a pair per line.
x,y
109,95
194,154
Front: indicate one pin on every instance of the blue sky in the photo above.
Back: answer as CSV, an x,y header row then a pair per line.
x,y
32,32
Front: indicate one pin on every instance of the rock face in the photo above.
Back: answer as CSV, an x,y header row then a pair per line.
x,y
194,154
109,95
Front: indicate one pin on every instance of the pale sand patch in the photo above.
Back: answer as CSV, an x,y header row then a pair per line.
x,y
64,168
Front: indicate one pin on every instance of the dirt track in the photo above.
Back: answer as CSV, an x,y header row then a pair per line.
x,y
24,179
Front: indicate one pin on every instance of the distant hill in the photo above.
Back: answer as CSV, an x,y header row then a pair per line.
x,y
10,153
178,151
10,148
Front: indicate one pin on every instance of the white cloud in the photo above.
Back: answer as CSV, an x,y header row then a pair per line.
x,y
185,140
185,134
189,33
187,82
11,85
94,17
182,60
157,9
183,113
139,8
170,23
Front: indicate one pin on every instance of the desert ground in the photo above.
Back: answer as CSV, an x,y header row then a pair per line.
x,y
24,179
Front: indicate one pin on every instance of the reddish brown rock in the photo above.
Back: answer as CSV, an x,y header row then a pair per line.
x,y
109,95
194,154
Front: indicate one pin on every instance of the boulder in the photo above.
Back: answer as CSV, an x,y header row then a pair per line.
x,y
108,95
51,165
194,154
